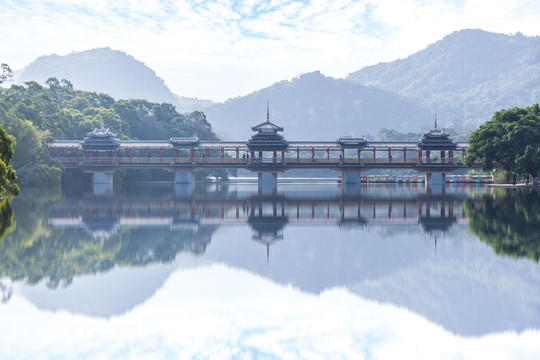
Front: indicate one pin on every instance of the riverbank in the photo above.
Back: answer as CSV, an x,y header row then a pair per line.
x,y
520,185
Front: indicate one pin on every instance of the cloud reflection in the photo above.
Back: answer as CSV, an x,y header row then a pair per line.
x,y
221,313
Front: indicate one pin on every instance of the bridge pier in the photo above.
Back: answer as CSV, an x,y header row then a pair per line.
x,y
435,183
267,182
350,182
102,183
184,182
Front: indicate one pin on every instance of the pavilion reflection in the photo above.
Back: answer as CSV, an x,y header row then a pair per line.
x,y
267,215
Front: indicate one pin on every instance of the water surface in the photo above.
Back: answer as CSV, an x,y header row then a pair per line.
x,y
226,272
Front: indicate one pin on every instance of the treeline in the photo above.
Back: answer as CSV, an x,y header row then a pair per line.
x,y
35,115
385,134
509,142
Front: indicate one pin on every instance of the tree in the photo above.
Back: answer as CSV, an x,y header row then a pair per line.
x,y
7,174
5,72
501,143
394,135
36,114
529,162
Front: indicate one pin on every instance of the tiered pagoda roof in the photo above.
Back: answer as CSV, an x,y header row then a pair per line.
x,y
100,139
267,137
436,139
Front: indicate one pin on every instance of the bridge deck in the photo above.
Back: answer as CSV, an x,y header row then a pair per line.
x,y
199,155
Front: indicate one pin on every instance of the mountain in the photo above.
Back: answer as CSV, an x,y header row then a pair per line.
x,y
314,106
108,71
465,77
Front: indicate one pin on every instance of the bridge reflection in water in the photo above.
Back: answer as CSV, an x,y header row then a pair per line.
x,y
267,215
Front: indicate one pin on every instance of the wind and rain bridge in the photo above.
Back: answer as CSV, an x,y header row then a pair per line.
x,y
267,153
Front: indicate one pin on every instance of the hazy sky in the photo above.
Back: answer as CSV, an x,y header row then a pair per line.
x,y
217,49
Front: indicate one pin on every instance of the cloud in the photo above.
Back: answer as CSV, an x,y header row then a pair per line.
x,y
270,41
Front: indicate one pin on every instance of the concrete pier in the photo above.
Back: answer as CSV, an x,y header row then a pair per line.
x,y
350,182
184,183
102,183
435,183
267,183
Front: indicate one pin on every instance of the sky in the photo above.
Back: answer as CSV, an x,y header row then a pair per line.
x,y
220,49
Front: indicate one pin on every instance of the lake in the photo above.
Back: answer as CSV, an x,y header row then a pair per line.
x,y
307,273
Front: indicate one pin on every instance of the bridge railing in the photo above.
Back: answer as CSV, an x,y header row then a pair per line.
x,y
246,161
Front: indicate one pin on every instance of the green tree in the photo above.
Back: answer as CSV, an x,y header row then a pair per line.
x,y
529,162
394,135
5,72
501,143
36,114
7,174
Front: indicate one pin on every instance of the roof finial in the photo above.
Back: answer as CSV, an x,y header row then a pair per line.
x,y
101,123
267,111
435,121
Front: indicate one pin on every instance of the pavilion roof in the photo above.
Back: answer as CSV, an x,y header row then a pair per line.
x,y
267,126
436,139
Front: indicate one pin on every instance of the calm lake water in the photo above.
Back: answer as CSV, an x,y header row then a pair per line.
x,y
393,273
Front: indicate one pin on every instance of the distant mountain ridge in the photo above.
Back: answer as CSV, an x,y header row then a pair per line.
x,y
313,106
104,70
466,76
463,79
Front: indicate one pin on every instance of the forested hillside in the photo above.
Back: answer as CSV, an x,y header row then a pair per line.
x,y
465,77
314,106
108,71
36,114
